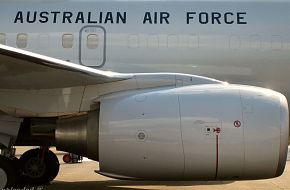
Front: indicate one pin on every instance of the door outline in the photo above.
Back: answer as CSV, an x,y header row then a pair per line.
x,y
104,46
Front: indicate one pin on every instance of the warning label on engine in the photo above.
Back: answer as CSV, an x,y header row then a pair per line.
x,y
212,129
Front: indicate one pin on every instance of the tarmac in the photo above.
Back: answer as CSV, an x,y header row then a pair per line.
x,y
81,176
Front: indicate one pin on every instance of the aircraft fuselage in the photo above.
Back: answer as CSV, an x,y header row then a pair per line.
x,y
239,42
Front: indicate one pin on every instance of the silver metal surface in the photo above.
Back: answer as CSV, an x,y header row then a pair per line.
x,y
213,132
3,178
284,139
9,127
79,135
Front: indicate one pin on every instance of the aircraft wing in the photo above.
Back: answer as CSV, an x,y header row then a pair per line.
x,y
25,70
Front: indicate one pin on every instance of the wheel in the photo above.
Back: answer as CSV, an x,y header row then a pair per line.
x,y
8,174
38,167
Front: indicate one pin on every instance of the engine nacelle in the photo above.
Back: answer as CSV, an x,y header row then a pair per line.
x,y
202,132
79,135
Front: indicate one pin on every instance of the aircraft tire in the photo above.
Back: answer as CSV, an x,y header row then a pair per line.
x,y
8,174
37,170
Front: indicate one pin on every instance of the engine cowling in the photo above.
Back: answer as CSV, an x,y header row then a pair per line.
x,y
202,132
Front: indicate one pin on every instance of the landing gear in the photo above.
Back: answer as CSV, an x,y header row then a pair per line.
x,y
8,174
39,166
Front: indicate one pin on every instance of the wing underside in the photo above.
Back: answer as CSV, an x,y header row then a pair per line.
x,y
25,70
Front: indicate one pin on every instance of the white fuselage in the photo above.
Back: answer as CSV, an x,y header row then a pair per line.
x,y
156,126
245,42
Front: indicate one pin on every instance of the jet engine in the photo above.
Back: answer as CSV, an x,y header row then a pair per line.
x,y
201,132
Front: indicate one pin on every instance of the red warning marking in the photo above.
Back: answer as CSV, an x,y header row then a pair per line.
x,y
217,156
217,130
237,124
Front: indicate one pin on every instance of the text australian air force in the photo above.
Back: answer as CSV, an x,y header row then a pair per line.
x,y
67,17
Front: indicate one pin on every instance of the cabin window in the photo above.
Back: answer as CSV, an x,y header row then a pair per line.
x,y
153,41
193,41
172,41
21,41
2,38
133,41
43,41
276,42
256,42
67,41
235,42
92,41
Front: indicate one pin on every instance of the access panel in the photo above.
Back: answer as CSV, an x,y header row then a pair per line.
x,y
212,135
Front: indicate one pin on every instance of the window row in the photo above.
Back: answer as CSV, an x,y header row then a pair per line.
x,y
22,40
255,42
150,41
194,41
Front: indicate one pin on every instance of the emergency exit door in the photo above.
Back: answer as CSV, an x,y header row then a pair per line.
x,y
92,51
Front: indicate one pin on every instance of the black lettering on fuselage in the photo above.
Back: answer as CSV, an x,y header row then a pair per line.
x,y
80,18
109,18
101,17
190,16
31,17
156,18
55,15
147,18
90,20
203,18
241,18
67,17
19,17
121,17
228,18
215,17
74,17
164,16
43,17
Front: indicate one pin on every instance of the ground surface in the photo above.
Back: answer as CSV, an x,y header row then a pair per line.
x,y
82,177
